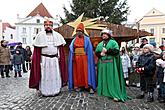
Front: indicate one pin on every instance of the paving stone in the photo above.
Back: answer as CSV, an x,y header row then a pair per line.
x,y
15,95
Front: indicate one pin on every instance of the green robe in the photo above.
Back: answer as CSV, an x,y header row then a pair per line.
x,y
110,74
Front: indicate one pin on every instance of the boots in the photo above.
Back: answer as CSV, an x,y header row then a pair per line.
x,y
7,74
141,95
15,74
2,74
19,73
150,97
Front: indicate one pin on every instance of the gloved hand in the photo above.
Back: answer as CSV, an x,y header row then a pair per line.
x,y
102,54
139,70
104,50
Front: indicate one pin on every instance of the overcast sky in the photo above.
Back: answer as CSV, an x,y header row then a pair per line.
x,y
10,8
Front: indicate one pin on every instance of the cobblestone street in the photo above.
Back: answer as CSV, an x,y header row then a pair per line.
x,y
15,95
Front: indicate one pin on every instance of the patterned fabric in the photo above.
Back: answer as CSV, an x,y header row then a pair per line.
x,y
50,83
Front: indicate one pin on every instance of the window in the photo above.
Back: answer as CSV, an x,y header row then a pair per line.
x,y
36,30
152,30
163,30
38,20
24,40
23,30
11,36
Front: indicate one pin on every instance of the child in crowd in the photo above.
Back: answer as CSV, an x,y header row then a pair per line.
x,y
126,64
17,61
146,66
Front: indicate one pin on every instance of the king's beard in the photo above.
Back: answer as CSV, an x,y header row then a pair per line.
x,y
48,31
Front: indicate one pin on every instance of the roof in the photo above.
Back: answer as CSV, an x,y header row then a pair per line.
x,y
41,10
4,25
154,16
154,12
120,32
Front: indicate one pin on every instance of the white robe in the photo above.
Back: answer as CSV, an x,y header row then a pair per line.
x,y
51,82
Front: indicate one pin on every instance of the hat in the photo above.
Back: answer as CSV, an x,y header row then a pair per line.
x,y
107,31
149,46
157,51
153,43
161,46
144,39
80,27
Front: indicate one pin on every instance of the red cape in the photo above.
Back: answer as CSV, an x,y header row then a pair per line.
x,y
35,72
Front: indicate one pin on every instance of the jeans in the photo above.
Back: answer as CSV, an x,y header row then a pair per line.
x,y
17,67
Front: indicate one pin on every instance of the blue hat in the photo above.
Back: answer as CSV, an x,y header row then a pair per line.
x,y
153,43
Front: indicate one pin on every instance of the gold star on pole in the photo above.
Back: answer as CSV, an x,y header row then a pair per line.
x,y
76,23
88,24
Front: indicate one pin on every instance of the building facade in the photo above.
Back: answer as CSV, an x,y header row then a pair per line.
x,y
154,22
28,27
0,29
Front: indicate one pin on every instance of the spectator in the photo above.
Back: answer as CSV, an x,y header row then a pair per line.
x,y
4,58
28,58
17,61
126,64
144,41
146,68
24,54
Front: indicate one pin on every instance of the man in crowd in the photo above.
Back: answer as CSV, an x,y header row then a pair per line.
x,y
4,58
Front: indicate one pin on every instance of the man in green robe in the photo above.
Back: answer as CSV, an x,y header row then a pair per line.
x,y
110,74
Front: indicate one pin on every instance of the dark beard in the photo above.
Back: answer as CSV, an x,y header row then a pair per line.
x,y
48,31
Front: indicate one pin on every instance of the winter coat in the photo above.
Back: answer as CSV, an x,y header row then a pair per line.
x,y
28,56
18,59
160,70
148,61
125,62
4,56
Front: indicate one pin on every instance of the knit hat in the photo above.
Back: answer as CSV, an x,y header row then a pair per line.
x,y
149,46
107,31
80,27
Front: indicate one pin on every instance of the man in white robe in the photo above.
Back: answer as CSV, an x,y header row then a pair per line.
x,y
48,81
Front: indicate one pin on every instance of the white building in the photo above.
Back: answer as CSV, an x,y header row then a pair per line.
x,y
7,32
154,22
0,29
28,27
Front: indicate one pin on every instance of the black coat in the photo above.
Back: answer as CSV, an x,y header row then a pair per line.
x,y
148,61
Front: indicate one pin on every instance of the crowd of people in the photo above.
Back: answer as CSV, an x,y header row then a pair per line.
x,y
147,62
116,68
14,58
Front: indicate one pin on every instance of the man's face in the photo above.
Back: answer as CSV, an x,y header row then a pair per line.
x,y
79,33
144,41
105,36
48,27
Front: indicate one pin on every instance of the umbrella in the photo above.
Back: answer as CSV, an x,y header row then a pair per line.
x,y
13,43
